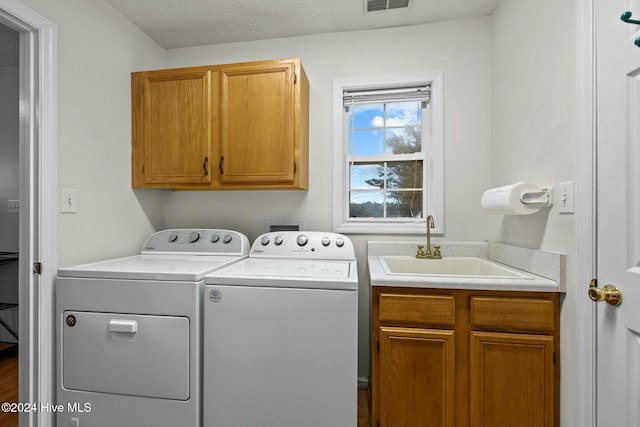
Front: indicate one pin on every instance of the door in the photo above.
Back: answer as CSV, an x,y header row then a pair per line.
x,y
173,126
618,213
416,371
129,354
258,115
512,380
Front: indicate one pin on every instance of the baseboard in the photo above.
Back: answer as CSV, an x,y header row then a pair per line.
x,y
363,382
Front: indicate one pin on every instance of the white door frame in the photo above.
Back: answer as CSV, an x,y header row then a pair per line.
x,y
586,220
38,204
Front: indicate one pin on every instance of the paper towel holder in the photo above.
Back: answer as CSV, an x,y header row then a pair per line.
x,y
541,198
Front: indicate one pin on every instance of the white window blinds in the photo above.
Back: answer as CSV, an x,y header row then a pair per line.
x,y
364,96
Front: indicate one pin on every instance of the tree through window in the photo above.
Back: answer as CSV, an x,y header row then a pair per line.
x,y
386,159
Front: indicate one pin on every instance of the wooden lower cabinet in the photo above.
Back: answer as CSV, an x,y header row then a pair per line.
x,y
416,377
464,358
512,380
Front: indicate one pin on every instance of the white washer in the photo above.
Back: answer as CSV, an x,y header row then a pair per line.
x,y
280,335
129,332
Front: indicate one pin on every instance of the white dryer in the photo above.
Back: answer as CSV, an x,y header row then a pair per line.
x,y
280,335
129,332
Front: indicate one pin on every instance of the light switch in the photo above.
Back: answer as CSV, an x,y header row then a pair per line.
x,y
68,200
13,207
566,197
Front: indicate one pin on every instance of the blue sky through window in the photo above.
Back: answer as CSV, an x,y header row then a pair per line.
x,y
369,125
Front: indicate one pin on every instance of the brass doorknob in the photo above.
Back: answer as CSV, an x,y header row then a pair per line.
x,y
609,293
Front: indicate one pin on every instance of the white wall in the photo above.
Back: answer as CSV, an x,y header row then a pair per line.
x,y
97,50
435,47
9,179
534,140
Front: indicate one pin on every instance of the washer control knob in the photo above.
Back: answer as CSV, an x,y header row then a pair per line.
x,y
227,238
302,240
215,238
173,237
339,242
326,241
264,240
194,236
278,240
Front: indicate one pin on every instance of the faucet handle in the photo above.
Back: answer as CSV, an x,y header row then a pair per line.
x,y
420,251
436,251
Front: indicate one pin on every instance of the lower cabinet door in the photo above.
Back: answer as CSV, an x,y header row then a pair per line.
x,y
512,380
417,369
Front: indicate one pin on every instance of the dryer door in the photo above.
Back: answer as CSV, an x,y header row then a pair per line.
x,y
126,354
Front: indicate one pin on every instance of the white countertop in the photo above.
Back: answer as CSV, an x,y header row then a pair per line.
x,y
544,270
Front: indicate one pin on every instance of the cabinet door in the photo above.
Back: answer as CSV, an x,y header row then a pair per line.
x,y
512,380
416,371
258,114
172,126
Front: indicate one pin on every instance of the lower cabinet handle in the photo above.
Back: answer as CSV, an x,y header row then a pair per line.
x,y
221,170
206,161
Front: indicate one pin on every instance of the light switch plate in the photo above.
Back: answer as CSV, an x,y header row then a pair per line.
x,y
68,200
566,197
13,206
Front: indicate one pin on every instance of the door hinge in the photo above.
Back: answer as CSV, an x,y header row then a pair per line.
x,y
37,268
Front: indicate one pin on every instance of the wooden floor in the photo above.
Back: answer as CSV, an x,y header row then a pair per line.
x,y
9,389
8,382
363,408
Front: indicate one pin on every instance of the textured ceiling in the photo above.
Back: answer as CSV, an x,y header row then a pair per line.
x,y
9,46
185,23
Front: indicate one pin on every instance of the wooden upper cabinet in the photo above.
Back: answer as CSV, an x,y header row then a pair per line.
x,y
261,124
173,127
234,126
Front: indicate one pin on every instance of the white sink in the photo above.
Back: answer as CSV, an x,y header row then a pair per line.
x,y
449,267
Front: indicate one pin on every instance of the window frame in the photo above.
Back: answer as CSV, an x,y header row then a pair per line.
x,y
433,167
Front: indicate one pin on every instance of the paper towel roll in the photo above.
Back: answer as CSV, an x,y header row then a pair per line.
x,y
506,200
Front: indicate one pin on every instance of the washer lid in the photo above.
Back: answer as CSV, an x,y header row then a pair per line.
x,y
312,274
190,268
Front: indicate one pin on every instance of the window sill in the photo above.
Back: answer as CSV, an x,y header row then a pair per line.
x,y
381,228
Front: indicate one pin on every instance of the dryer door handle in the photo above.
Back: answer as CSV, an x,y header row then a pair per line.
x,y
119,325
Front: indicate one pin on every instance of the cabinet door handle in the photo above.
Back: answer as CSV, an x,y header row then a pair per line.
x,y
221,170
204,165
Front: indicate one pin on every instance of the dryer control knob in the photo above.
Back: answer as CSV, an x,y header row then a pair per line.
x,y
173,237
227,238
326,241
278,240
339,242
302,240
194,236
215,238
264,241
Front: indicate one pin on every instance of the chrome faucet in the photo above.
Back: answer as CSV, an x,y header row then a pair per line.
x,y
428,254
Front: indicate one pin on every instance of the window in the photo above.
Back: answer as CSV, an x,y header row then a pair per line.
x,y
388,164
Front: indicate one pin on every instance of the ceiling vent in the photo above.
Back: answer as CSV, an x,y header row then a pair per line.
x,y
379,5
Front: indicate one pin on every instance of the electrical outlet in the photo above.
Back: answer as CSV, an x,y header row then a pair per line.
x,y
68,200
566,197
13,206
